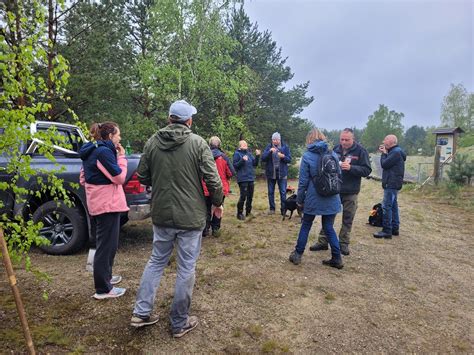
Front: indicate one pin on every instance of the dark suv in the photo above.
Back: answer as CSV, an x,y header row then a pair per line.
x,y
68,228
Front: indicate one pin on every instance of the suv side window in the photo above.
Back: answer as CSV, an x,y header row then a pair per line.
x,y
76,140
71,138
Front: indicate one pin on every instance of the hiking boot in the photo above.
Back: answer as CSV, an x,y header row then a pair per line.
x,y
271,212
205,232
336,263
216,233
241,217
395,232
295,257
344,249
113,293
318,247
191,323
382,234
115,279
138,321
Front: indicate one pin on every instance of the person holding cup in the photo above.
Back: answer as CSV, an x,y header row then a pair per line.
x,y
355,164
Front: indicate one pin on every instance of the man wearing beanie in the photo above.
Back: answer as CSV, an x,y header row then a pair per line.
x,y
174,161
277,157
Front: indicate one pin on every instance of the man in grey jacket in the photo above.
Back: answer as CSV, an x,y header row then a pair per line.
x,y
174,163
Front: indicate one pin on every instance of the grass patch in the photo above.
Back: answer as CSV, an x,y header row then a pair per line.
x,y
462,346
273,346
228,251
254,330
329,297
48,334
7,302
237,333
13,336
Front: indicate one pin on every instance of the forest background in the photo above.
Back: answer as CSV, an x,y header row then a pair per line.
x,y
128,60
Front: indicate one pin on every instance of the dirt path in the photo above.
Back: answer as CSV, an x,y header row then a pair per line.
x,y
413,293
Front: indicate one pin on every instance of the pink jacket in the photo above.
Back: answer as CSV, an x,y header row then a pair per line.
x,y
107,198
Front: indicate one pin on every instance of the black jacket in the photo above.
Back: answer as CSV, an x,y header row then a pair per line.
x,y
360,167
393,165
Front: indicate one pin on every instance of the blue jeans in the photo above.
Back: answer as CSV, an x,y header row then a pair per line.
x,y
271,192
328,228
188,247
391,219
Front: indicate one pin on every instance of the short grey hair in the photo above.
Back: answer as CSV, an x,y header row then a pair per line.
x,y
214,141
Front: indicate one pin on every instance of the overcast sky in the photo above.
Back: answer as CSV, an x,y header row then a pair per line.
x,y
359,54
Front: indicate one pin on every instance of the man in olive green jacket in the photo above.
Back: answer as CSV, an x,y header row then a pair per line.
x,y
174,162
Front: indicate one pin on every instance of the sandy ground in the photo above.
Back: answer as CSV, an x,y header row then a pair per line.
x,y
413,293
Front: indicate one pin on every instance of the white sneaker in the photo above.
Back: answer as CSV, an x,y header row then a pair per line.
x,y
116,279
113,293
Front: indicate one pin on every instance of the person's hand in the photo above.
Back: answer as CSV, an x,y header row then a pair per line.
x,y
120,149
245,158
345,165
299,207
273,149
281,155
382,148
257,151
217,211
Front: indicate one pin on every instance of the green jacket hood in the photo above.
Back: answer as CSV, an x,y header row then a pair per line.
x,y
172,136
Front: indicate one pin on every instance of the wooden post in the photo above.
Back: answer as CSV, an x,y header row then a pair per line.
x,y
436,164
16,293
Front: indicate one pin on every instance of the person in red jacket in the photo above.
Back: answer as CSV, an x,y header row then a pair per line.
x,y
214,216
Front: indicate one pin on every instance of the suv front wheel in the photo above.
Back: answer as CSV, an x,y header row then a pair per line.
x,y
64,227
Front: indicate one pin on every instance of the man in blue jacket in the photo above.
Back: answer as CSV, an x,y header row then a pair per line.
x,y
393,165
277,157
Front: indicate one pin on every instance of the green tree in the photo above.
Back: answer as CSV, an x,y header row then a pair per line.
x,y
457,108
95,43
429,142
414,139
461,169
24,98
381,123
265,103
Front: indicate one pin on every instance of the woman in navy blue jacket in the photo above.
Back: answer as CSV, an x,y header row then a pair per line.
x,y
314,204
244,164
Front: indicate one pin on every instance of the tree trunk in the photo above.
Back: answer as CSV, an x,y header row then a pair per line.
x,y
49,72
16,41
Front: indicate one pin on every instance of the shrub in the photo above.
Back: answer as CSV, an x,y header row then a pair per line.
x,y
293,172
461,169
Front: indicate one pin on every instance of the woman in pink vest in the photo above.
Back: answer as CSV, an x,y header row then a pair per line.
x,y
104,170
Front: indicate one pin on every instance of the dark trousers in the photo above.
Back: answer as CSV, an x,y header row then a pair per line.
x,y
107,235
328,227
349,208
282,184
246,196
211,220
